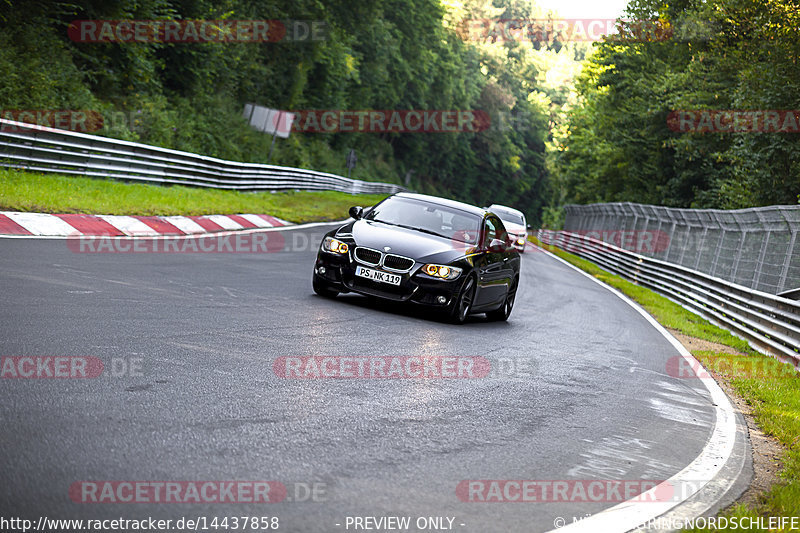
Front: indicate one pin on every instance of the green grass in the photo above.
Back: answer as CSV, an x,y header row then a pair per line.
x,y
52,193
769,387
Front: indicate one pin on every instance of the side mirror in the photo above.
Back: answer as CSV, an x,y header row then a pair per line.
x,y
498,246
356,212
530,227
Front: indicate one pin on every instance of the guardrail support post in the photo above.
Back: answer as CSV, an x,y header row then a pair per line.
x,y
787,262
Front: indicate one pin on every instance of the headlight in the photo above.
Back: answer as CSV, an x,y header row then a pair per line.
x,y
520,240
441,271
334,246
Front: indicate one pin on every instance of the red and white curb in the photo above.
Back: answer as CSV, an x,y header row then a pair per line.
x,y
71,225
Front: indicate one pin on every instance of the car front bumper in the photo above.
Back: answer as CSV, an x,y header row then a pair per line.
x,y
338,272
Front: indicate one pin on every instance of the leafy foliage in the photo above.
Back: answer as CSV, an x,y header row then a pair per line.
x,y
721,55
381,55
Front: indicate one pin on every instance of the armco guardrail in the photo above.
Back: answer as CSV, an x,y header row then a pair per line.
x,y
769,322
758,247
32,147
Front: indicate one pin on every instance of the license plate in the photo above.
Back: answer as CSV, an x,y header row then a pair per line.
x,y
377,275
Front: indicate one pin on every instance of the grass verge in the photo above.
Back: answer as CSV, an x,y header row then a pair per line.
x,y
770,388
53,193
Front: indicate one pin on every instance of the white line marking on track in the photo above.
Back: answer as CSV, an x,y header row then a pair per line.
x,y
630,514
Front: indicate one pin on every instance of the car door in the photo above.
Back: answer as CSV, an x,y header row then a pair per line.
x,y
493,278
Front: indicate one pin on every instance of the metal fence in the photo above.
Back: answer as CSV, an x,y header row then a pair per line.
x,y
770,323
42,149
758,248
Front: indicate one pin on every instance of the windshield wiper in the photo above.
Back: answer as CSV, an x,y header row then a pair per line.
x,y
423,230
381,221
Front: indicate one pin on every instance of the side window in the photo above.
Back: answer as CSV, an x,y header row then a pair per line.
x,y
489,230
502,234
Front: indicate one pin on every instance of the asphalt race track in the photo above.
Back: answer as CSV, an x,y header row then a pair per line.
x,y
579,391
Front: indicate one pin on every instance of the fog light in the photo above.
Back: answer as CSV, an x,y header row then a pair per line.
x,y
441,299
321,271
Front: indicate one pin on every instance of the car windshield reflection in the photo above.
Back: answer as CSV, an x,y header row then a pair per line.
x,y
507,216
433,219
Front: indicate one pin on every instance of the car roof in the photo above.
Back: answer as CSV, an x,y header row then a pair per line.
x,y
443,201
506,208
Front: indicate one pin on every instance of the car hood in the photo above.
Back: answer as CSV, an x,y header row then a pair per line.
x,y
405,242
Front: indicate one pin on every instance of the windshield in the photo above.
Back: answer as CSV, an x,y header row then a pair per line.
x,y
506,216
436,219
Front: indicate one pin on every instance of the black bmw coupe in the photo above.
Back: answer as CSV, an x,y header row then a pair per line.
x,y
425,250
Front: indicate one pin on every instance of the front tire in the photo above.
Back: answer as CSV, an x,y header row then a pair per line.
x,y
504,311
322,288
463,303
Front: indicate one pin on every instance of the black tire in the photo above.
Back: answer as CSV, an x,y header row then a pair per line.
x,y
504,311
463,303
322,288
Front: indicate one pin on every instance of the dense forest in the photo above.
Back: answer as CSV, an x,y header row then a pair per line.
x,y
568,122
621,142
377,55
